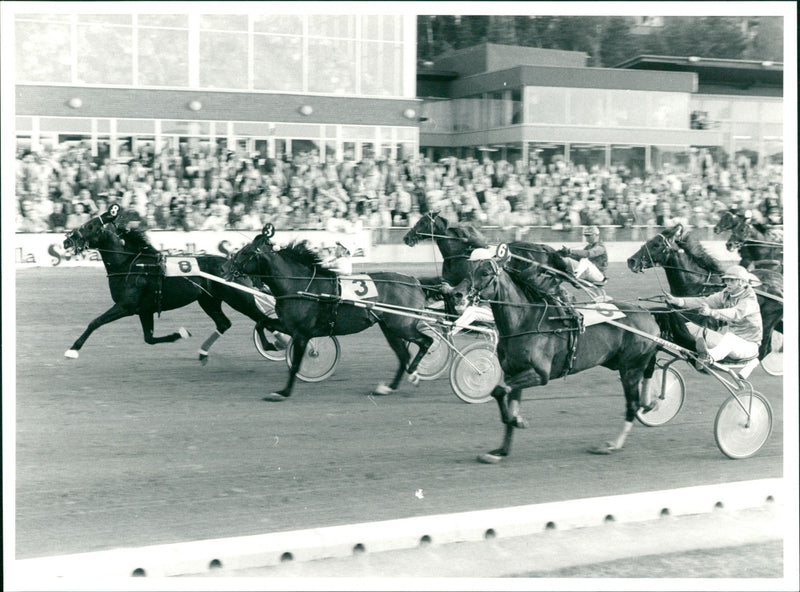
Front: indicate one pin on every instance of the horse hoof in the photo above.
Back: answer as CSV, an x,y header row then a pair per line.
x,y
184,333
413,378
382,389
605,448
519,422
203,359
72,354
275,397
490,458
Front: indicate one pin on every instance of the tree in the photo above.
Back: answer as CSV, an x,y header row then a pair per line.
x,y
608,40
617,44
502,30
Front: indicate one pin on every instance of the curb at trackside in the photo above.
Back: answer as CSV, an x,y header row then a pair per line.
x,y
338,542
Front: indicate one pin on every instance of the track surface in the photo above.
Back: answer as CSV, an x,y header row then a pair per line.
x,y
134,445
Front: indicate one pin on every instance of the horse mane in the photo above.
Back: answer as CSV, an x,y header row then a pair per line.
x,y
299,252
698,253
531,290
469,233
137,239
760,227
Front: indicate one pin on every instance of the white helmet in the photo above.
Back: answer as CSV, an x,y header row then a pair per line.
x,y
481,253
591,231
736,272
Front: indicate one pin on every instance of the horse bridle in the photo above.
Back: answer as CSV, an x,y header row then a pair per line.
x,y
492,278
238,261
79,234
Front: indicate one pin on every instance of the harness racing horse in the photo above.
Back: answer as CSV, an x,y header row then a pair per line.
x,y
457,241
319,311
759,246
539,343
691,271
138,286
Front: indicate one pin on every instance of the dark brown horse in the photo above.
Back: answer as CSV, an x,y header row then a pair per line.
x,y
457,241
759,245
311,302
138,285
691,271
540,340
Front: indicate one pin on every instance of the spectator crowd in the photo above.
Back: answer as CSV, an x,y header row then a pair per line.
x,y
61,188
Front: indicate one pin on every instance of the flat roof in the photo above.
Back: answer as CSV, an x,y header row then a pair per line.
x,y
712,70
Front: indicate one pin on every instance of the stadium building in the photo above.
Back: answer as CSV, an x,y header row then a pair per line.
x,y
521,103
343,85
349,86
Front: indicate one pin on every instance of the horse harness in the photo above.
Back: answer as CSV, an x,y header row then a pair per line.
x,y
565,312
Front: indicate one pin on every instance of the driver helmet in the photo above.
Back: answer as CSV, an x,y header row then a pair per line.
x,y
481,253
737,272
591,231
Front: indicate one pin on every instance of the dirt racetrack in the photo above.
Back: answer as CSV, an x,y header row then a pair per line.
x,y
134,445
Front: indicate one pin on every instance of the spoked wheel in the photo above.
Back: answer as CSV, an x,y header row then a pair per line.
x,y
668,391
475,372
740,433
322,355
437,361
773,362
273,355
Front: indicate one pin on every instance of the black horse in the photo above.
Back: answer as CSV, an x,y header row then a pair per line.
x,y
692,271
330,305
540,340
457,241
138,285
759,245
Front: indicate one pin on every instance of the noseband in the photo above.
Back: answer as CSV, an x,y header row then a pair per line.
x,y
491,278
82,242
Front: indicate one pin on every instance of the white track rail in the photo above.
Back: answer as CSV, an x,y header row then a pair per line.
x,y
240,553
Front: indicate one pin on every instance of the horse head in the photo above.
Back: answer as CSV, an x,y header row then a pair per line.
x,y
739,233
428,226
658,250
485,273
245,261
728,221
89,234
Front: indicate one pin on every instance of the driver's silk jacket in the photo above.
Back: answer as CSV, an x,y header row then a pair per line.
x,y
741,312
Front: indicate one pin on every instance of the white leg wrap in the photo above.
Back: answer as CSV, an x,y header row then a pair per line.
x,y
184,333
383,389
620,442
71,354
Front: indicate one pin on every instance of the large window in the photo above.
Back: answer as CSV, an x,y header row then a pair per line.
x,y
337,54
677,157
545,104
606,107
104,54
43,51
627,108
587,106
668,110
335,67
278,63
158,67
230,72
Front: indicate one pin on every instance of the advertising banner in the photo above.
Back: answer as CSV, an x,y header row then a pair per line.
x,y
47,250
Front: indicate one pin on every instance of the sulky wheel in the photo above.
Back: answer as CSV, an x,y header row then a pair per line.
x,y
743,424
320,359
475,372
668,392
437,361
273,355
773,362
